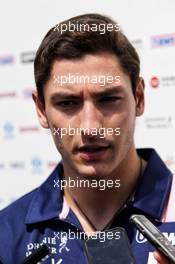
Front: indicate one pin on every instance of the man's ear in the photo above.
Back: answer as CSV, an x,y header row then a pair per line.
x,y
139,97
40,109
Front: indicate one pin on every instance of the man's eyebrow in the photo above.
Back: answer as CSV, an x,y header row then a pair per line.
x,y
63,95
109,91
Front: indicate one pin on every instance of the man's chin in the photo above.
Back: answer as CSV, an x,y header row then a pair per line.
x,y
92,171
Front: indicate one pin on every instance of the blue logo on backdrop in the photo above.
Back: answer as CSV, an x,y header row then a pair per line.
x,y
8,130
27,93
36,165
6,59
163,40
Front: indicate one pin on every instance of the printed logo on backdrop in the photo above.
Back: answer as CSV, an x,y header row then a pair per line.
x,y
162,81
8,130
137,43
27,57
154,82
6,59
158,122
9,94
37,165
27,93
52,164
165,40
29,129
17,165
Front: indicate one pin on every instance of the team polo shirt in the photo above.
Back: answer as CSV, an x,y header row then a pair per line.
x,y
44,217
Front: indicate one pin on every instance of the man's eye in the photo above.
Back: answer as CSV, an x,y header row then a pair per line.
x,y
110,99
66,103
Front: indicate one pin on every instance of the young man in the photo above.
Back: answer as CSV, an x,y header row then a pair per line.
x,y
89,93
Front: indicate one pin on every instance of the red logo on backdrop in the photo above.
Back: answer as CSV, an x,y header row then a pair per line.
x,y
154,82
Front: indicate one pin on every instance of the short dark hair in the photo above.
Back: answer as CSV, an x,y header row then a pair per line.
x,y
74,44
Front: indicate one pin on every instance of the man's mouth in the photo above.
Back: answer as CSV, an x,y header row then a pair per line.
x,y
92,148
90,152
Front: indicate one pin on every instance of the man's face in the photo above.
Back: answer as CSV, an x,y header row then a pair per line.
x,y
91,105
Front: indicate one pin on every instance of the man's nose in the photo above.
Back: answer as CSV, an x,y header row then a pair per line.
x,y
91,118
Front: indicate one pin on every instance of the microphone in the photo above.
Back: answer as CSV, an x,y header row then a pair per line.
x,y
109,246
37,255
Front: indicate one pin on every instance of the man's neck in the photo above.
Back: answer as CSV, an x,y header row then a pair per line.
x,y
100,206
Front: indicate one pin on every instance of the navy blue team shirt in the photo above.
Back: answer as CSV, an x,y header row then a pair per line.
x,y
42,216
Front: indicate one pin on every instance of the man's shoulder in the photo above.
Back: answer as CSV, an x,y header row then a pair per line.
x,y
12,222
18,208
21,206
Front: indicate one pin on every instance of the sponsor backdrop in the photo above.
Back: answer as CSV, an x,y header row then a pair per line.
x,y
27,153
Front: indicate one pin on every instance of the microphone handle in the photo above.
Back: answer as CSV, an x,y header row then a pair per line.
x,y
37,255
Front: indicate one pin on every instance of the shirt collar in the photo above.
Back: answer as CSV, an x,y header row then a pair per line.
x,y
153,189
150,197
